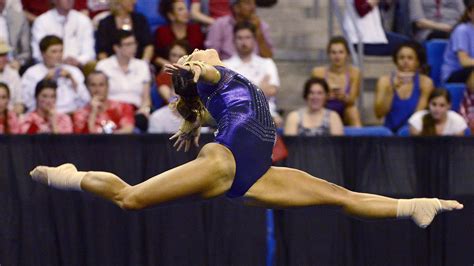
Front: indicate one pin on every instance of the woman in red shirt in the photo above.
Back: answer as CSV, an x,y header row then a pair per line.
x,y
179,28
8,120
45,119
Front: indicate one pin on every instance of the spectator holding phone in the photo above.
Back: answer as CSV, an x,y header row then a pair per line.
x,y
71,92
343,80
404,91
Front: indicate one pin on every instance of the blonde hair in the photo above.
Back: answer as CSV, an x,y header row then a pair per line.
x,y
114,6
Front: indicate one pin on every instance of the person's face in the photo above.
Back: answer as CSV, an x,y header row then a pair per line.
x,y
200,55
439,107
176,52
180,13
470,82
64,4
316,97
338,54
46,99
4,98
244,41
245,9
97,85
407,60
53,55
127,47
128,5
3,61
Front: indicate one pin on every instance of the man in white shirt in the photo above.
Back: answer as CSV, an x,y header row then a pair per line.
x,y
71,92
261,71
9,76
72,26
129,77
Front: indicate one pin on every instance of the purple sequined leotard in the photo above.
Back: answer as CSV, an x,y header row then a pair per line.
x,y
244,124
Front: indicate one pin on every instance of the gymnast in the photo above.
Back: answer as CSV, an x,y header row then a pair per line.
x,y
238,163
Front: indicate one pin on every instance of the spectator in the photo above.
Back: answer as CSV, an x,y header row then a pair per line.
x,y
438,120
166,119
102,115
9,76
45,118
467,105
72,94
129,77
459,54
179,28
206,12
434,19
314,119
261,71
163,79
367,21
220,35
15,30
8,120
404,91
123,18
34,8
344,82
70,25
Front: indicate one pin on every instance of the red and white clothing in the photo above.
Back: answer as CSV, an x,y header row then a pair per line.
x,y
116,116
33,123
13,123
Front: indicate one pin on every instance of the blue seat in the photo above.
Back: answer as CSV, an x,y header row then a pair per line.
x,y
467,132
456,90
367,131
404,131
434,53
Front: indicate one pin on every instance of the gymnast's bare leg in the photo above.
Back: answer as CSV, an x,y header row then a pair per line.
x,y
209,175
284,187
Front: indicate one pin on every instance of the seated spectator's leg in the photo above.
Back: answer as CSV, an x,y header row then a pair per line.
x,y
460,76
352,116
385,49
436,34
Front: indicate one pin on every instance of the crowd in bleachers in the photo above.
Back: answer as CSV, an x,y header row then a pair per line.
x,y
94,66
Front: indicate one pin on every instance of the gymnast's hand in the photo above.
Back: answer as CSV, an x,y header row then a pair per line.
x,y
178,69
189,132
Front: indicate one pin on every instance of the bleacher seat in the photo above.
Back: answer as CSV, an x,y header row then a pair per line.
x,y
404,131
367,131
434,53
456,90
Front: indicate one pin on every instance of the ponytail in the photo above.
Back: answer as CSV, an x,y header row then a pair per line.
x,y
189,105
429,125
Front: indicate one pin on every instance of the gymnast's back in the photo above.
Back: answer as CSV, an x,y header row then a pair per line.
x,y
244,125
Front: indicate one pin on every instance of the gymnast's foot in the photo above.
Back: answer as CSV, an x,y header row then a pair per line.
x,y
65,176
422,211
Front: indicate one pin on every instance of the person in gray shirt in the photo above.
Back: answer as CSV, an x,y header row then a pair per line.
x,y
434,19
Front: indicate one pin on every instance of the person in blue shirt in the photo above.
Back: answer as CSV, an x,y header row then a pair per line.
x,y
459,54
